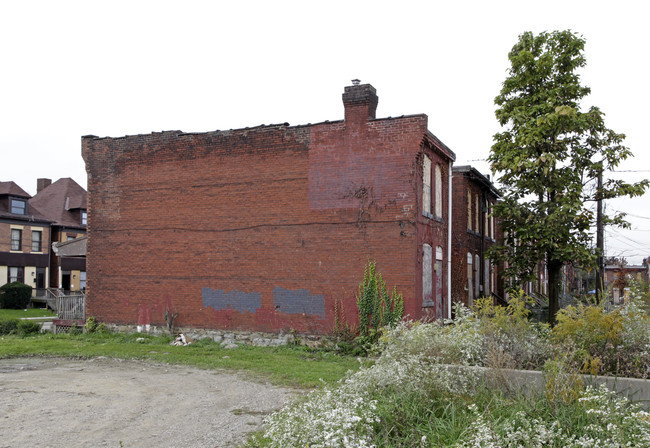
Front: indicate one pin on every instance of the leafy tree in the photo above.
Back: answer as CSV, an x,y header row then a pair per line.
x,y
548,158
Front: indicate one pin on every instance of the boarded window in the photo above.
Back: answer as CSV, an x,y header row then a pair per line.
x,y
470,283
439,277
426,185
427,276
493,276
469,209
438,187
486,277
477,278
492,229
486,225
477,213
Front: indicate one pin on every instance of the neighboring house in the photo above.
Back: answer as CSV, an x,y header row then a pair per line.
x,y
64,203
617,278
24,240
69,252
268,228
474,232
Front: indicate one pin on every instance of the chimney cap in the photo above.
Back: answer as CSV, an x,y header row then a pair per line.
x,y
356,82
360,102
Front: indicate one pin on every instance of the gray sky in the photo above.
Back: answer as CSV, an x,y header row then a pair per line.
x,y
118,68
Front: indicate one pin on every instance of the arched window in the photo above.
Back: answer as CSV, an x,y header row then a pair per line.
x,y
427,276
426,185
438,192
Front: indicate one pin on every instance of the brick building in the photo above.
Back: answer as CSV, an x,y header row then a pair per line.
x,y
618,276
474,232
265,228
24,239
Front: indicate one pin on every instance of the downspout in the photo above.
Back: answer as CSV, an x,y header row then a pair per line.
x,y
483,230
449,246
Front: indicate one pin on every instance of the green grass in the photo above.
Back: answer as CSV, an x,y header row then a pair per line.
x,y
286,366
29,312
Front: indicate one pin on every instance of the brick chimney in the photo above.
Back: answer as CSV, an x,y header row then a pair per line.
x,y
360,101
42,183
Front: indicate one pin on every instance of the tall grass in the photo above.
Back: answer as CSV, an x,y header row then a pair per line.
x,y
425,389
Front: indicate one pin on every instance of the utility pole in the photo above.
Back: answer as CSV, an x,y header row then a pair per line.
x,y
600,240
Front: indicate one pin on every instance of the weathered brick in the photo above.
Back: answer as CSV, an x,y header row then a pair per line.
x,y
206,223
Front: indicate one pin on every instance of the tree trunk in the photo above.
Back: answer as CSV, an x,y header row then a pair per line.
x,y
554,289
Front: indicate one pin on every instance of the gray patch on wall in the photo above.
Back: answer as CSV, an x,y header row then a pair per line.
x,y
236,300
300,301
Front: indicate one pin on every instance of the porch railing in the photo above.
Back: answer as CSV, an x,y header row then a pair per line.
x,y
71,306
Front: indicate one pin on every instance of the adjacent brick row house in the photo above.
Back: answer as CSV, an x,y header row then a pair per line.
x,y
28,227
24,239
474,233
269,228
64,203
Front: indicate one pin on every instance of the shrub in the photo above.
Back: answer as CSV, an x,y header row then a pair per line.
x,y
510,339
26,327
8,326
606,342
377,308
15,295
92,326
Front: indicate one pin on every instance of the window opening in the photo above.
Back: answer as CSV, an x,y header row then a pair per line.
x,y
36,240
16,237
426,185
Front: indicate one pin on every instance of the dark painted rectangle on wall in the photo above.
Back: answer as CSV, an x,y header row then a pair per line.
x,y
300,301
235,300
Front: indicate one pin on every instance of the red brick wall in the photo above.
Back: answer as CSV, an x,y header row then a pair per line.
x,y
280,218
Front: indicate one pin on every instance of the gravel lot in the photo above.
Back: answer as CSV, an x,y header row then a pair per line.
x,y
112,403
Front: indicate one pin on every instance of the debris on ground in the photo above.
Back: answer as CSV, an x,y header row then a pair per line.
x,y
181,340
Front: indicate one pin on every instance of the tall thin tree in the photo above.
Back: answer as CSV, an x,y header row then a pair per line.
x,y
548,158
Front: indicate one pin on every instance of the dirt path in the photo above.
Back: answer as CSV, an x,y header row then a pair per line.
x,y
112,403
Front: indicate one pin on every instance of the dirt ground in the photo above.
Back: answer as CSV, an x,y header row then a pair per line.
x,y
112,403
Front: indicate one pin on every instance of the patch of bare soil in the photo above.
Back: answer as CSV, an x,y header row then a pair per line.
x,y
112,403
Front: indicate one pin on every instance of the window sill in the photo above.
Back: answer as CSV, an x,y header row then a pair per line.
x,y
428,304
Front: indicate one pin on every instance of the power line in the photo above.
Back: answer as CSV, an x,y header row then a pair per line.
x,y
632,214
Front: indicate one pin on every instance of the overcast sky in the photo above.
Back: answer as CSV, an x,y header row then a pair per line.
x,y
131,67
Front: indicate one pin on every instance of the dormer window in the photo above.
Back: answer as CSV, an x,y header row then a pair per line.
x,y
84,217
18,206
